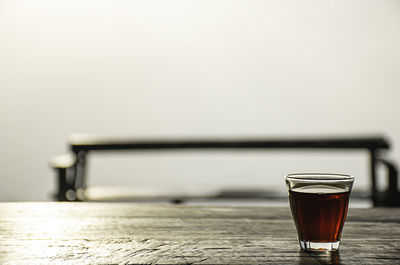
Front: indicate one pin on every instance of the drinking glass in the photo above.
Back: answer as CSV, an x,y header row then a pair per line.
x,y
319,204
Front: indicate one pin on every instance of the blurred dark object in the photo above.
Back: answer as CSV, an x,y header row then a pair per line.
x,y
71,167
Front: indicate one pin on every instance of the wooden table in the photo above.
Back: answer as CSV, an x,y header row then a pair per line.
x,y
123,233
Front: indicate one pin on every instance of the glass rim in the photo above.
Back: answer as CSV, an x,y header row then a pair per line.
x,y
319,177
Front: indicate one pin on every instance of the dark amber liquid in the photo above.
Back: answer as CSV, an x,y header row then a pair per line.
x,y
319,217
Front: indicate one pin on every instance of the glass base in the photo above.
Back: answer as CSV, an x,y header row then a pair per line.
x,y
319,246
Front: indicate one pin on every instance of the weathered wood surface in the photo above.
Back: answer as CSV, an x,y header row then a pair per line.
x,y
122,233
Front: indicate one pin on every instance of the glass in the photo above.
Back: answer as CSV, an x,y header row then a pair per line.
x,y
319,204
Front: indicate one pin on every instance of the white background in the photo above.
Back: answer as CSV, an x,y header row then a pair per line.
x,y
189,68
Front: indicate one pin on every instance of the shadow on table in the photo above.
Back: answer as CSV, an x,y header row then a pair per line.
x,y
319,258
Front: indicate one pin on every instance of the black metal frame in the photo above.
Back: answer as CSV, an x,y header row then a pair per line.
x,y
72,175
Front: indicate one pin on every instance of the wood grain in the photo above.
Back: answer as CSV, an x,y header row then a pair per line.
x,y
123,233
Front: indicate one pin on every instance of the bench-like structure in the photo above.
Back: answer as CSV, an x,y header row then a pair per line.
x,y
71,167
